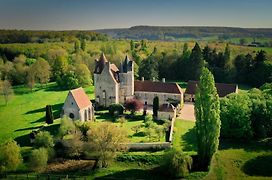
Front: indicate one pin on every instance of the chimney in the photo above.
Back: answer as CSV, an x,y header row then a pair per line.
x,y
163,80
142,78
154,79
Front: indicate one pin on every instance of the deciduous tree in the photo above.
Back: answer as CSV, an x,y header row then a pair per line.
x,y
133,105
44,139
10,156
38,159
42,71
106,140
6,90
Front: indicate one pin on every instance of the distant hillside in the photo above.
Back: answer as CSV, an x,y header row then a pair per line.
x,y
28,36
187,32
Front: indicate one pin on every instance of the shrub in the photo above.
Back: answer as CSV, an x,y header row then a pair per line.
x,y
69,148
10,156
133,105
44,139
148,118
261,113
67,126
38,159
141,158
235,116
178,164
116,110
84,128
122,121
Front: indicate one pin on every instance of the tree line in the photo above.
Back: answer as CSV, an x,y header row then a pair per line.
x,y
253,70
22,36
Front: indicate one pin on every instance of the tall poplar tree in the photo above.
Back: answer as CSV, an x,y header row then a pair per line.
x,y
207,110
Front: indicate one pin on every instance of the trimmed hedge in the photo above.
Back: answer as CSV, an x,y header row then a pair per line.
x,y
116,110
141,158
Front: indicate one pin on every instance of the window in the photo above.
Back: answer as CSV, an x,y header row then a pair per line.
x,y
98,99
89,113
104,94
71,115
72,103
85,115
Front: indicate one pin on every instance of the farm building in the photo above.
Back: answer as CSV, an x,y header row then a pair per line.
x,y
222,90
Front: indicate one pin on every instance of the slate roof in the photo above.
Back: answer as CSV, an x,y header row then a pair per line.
x,y
222,88
81,98
150,86
100,64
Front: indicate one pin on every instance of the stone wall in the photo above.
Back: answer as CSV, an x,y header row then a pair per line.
x,y
166,115
163,97
106,88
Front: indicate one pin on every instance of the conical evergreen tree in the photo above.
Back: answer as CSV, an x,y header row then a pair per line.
x,y
196,62
49,117
155,106
207,109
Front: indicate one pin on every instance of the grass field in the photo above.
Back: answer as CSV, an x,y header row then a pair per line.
x,y
26,110
234,160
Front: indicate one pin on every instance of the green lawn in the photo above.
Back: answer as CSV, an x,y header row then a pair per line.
x,y
128,127
241,160
234,160
25,111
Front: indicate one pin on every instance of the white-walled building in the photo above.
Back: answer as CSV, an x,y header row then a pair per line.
x,y
78,106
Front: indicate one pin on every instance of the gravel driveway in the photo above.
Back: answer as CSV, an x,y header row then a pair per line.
x,y
188,112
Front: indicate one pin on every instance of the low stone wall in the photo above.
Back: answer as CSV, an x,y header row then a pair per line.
x,y
155,146
172,129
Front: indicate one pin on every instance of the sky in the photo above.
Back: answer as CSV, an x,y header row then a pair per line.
x,y
100,14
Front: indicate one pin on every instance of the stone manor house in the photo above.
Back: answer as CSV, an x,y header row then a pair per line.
x,y
116,85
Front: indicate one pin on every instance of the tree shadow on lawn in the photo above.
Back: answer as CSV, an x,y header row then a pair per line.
x,y
105,116
190,140
136,174
139,134
24,140
53,87
131,118
247,145
259,166
29,128
21,90
55,108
